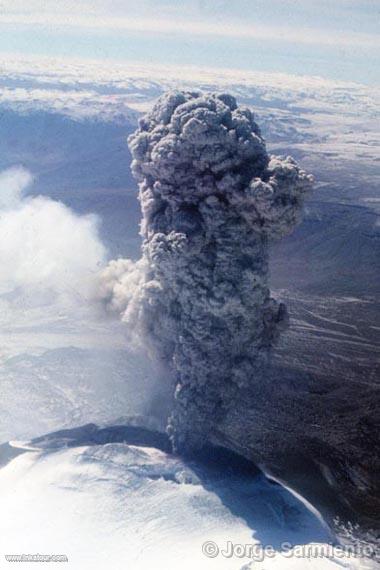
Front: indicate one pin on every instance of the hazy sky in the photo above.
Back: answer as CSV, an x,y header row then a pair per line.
x,y
332,38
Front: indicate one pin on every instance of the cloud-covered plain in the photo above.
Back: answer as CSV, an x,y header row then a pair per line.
x,y
33,81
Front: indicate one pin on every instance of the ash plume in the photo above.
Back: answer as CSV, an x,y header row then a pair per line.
x,y
212,200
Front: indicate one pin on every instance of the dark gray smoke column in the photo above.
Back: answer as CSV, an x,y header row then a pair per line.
x,y
212,199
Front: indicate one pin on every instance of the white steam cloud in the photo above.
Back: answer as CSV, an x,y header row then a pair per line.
x,y
45,248
212,199
60,358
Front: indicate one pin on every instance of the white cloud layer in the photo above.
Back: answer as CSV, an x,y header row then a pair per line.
x,y
113,91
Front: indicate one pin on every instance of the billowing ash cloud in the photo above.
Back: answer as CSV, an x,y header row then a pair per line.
x,y
212,200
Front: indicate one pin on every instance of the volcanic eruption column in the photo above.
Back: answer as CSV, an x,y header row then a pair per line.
x,y
212,200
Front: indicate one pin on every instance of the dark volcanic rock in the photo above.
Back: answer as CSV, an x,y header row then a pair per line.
x,y
314,434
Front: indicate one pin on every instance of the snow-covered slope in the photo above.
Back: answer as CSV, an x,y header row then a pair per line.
x,y
117,505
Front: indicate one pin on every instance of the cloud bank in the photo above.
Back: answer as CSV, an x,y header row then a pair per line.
x,y
212,200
